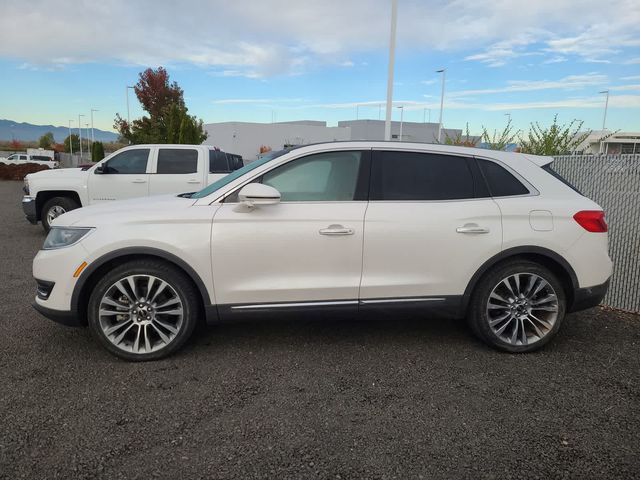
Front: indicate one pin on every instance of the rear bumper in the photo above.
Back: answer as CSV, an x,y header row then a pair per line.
x,y
29,209
584,298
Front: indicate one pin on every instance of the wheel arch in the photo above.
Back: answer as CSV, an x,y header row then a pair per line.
x,y
548,258
92,274
46,195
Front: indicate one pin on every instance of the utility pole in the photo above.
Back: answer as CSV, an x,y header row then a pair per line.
x,y
80,133
443,72
604,119
392,53
70,139
92,137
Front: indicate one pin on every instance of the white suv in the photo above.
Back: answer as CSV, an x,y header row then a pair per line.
x,y
351,228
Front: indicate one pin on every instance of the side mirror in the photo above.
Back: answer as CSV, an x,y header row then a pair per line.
x,y
256,194
100,169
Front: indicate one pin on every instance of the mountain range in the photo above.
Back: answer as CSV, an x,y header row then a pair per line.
x,y
28,132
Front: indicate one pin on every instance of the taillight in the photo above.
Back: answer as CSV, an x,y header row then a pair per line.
x,y
591,220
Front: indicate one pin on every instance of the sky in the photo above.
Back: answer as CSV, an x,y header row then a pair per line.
x,y
326,60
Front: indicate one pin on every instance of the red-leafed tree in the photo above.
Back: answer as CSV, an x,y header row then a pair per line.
x,y
15,144
155,93
168,120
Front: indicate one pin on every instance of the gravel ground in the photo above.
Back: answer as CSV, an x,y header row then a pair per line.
x,y
380,399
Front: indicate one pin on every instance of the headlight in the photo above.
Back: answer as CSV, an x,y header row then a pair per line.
x,y
60,237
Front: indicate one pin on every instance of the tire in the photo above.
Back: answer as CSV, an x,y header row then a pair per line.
x,y
530,298
157,324
54,207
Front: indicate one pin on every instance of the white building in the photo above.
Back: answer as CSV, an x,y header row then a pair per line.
x,y
246,138
611,143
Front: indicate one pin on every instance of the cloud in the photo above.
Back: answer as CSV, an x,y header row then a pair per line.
x,y
633,61
278,37
556,59
567,83
625,87
255,101
632,77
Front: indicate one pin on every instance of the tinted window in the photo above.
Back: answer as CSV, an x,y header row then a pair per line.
x,y
331,176
235,161
420,176
548,168
23,157
177,160
130,161
500,181
218,162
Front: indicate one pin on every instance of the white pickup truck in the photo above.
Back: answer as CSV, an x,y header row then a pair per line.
x,y
135,171
44,157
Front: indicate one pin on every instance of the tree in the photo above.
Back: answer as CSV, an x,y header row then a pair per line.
x,y
500,141
467,140
75,142
15,145
554,140
46,140
168,120
97,151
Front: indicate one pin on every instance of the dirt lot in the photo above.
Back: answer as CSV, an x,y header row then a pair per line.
x,y
380,399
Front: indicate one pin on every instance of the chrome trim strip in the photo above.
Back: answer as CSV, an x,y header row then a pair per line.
x,y
291,305
400,300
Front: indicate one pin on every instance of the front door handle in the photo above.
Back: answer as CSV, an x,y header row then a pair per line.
x,y
472,228
335,230
139,180
193,181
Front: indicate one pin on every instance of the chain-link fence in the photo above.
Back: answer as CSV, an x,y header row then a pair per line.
x,y
613,181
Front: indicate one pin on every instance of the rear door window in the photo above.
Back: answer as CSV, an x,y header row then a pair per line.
x,y
413,176
177,161
218,162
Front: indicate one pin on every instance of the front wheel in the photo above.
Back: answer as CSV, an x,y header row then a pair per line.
x,y
143,310
517,307
54,207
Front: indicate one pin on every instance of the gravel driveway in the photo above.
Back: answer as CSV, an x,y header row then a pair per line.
x,y
380,399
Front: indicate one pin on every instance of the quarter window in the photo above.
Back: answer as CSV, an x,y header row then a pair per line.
x,y
323,177
177,160
130,161
413,176
500,181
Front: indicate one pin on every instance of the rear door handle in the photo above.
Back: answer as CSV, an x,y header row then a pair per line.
x,y
335,230
472,228
139,180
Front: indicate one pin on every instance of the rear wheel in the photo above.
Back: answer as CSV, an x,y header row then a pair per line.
x,y
54,207
143,310
517,307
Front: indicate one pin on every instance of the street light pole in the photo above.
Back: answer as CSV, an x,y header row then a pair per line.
x,y
606,106
357,111
80,133
443,72
70,139
401,107
92,137
87,132
392,53
424,112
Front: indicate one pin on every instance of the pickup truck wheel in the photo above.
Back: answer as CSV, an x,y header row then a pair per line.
x,y
143,310
54,207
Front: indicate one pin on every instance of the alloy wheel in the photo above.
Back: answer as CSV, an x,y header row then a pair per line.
x,y
141,314
54,212
522,309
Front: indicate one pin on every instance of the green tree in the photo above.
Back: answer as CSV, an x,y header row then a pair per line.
x,y
466,140
97,151
46,140
499,141
555,139
164,102
75,142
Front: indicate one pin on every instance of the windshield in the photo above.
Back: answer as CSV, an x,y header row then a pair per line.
x,y
238,173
